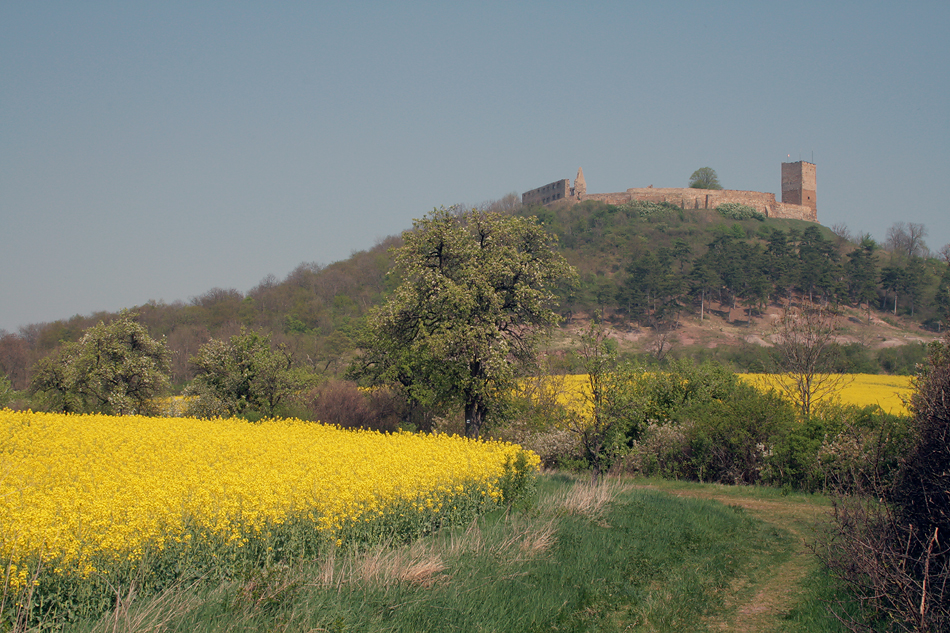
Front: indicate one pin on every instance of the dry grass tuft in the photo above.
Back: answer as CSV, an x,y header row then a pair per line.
x,y
472,541
588,499
519,540
150,616
424,572
383,566
538,540
424,562
524,541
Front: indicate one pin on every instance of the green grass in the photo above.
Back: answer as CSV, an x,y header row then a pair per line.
x,y
821,591
615,558
810,588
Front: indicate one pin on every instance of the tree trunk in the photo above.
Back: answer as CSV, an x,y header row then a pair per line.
x,y
474,416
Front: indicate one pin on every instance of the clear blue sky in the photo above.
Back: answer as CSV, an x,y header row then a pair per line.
x,y
153,151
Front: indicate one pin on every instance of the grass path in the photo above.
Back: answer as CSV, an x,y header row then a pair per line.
x,y
760,600
624,555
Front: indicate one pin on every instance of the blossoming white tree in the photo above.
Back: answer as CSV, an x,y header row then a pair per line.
x,y
474,298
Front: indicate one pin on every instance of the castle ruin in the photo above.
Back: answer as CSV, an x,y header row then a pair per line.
x,y
799,200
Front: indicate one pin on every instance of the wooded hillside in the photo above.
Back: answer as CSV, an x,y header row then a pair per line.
x,y
653,268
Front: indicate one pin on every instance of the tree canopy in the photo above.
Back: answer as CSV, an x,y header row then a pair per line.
x,y
475,294
114,368
704,178
239,375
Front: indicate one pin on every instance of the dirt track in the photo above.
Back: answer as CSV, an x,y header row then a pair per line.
x,y
759,603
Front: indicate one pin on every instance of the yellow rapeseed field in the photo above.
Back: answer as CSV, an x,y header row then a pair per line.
x,y
888,392
77,490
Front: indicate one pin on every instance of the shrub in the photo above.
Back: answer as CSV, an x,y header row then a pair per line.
x,y
659,395
701,422
863,448
794,461
644,210
855,358
928,463
737,211
839,448
902,360
895,555
344,404
662,450
731,439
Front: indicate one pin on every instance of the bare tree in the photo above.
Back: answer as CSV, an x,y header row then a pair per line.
x,y
804,355
183,343
945,253
15,359
506,204
842,232
664,339
917,233
907,239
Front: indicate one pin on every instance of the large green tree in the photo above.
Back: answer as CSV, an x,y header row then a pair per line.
x,y
114,368
475,295
241,375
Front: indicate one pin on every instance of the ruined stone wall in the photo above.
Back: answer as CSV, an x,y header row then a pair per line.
x,y
798,195
687,198
547,194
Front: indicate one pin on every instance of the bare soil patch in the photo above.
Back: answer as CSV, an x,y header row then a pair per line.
x,y
734,327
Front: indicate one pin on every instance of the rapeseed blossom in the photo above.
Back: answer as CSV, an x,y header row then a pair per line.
x,y
889,392
77,490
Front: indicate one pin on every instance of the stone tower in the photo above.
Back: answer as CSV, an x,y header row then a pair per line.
x,y
580,186
799,184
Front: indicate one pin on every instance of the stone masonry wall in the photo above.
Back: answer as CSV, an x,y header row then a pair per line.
x,y
687,198
794,212
547,194
799,184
